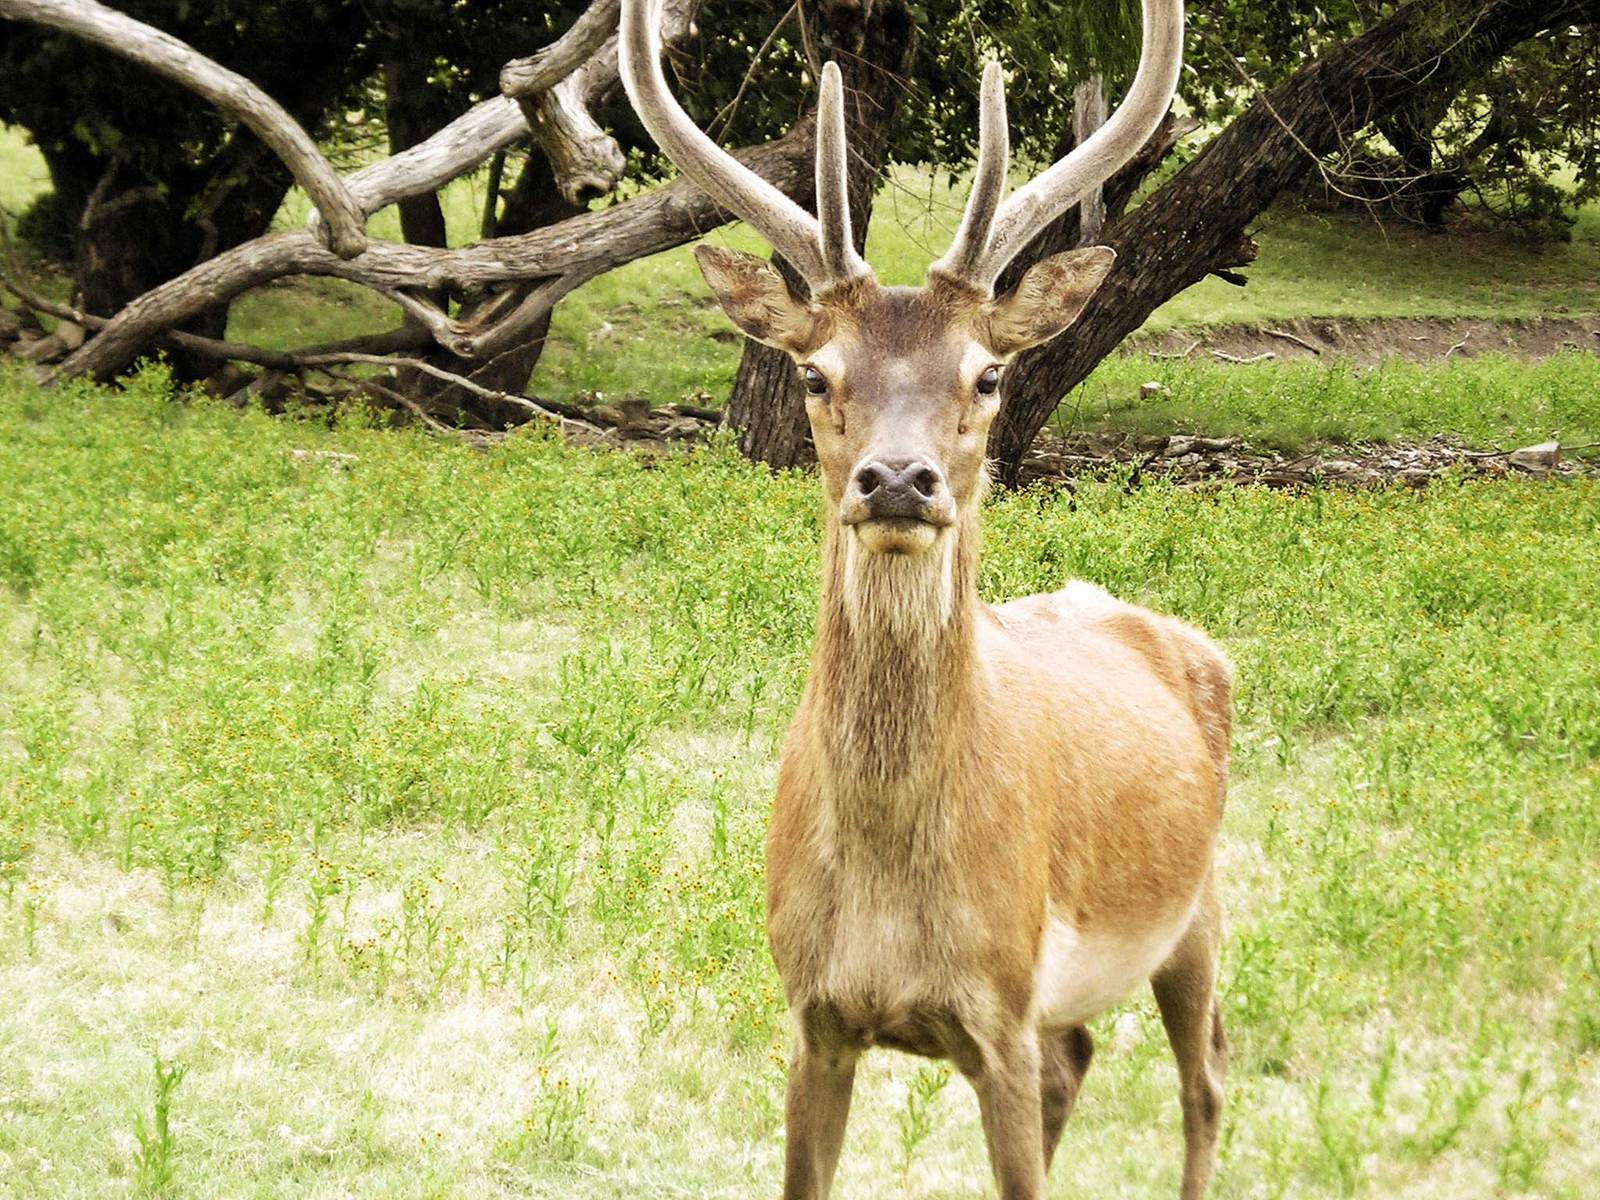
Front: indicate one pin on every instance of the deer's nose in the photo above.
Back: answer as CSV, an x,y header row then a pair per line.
x,y
899,487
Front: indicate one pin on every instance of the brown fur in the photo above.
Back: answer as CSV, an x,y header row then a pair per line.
x,y
961,779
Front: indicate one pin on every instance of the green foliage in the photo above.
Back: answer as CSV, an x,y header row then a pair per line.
x,y
1518,142
1491,400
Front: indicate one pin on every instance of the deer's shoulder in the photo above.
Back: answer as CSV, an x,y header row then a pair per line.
x,y
1084,620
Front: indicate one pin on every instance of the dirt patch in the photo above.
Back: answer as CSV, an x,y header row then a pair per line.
x,y
1202,461
1366,341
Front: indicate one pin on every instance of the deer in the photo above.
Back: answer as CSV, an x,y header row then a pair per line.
x,y
992,823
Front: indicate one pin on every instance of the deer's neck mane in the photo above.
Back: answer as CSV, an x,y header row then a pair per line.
x,y
893,674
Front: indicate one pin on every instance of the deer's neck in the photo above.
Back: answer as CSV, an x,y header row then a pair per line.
x,y
893,673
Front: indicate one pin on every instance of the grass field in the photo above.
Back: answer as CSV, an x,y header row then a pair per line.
x,y
390,826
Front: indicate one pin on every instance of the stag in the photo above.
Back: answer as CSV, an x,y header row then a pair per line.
x,y
992,822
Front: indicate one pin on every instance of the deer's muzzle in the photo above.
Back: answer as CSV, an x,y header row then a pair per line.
x,y
898,489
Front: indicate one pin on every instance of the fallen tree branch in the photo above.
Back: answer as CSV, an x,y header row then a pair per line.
x,y
532,271
228,90
401,400
315,361
1181,354
372,350
577,249
1295,338
402,338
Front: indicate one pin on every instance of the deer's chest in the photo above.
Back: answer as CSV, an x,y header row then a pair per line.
x,y
890,953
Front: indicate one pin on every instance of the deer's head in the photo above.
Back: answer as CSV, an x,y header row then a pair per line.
x,y
902,384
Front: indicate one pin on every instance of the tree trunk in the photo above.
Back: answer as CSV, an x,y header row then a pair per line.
x,y
129,236
411,121
767,405
1195,224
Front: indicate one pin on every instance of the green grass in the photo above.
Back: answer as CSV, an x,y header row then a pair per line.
x,y
22,170
1491,400
407,811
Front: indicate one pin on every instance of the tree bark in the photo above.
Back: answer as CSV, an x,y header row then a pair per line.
x,y
1195,224
874,46
1088,114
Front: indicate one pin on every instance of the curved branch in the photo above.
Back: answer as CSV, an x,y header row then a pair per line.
x,y
576,250
390,341
524,77
585,160
228,90
483,130
587,49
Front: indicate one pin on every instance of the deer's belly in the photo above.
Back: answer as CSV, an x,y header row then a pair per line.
x,y
1080,975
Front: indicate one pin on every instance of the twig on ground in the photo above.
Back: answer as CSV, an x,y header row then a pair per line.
x,y
1295,338
1243,360
410,405
1160,357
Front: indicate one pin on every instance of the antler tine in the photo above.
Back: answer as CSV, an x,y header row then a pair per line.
x,y
839,255
964,259
793,232
1029,209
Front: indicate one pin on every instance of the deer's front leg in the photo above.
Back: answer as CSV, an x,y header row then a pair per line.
x,y
1006,1078
821,1074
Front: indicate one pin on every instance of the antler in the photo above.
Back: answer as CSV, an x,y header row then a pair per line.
x,y
992,233
822,251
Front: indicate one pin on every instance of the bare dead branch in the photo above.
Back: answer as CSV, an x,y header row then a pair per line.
x,y
585,160
496,124
313,361
1285,335
541,71
1181,354
228,90
482,131
401,400
577,249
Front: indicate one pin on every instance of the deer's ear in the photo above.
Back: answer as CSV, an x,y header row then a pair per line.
x,y
758,301
1047,299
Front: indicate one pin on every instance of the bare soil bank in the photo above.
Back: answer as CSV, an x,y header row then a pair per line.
x,y
1367,340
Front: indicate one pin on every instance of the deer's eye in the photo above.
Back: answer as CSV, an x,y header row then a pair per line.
x,y
989,382
816,385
